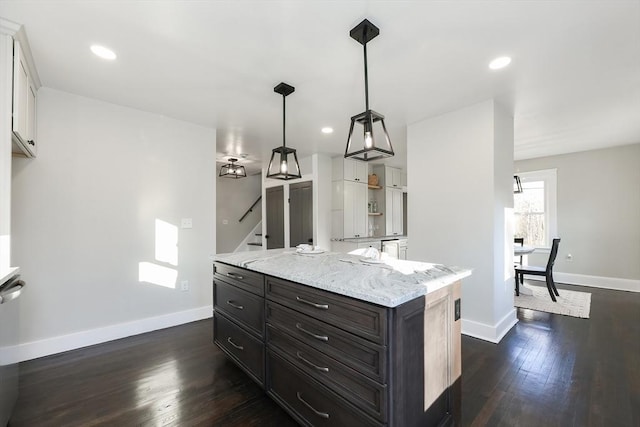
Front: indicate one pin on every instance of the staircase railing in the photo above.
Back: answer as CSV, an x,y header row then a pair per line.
x,y
250,209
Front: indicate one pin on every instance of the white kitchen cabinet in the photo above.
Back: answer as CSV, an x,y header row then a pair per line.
x,y
393,211
24,104
350,170
392,177
355,209
349,210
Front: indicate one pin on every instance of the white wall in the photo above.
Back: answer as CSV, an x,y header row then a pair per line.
x,y
598,197
6,65
84,214
322,170
459,168
233,199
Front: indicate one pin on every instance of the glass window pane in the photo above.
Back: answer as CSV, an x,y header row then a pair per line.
x,y
530,214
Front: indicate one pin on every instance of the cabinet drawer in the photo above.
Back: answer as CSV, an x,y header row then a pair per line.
x,y
362,355
309,401
247,351
365,320
250,281
241,306
361,391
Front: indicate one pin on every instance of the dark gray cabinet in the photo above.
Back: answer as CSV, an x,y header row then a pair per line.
x,y
333,360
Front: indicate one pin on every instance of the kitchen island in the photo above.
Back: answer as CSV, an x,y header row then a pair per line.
x,y
336,339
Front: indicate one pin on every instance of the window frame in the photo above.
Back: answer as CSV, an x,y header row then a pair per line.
x,y
550,179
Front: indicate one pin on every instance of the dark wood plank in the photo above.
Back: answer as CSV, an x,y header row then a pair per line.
x,y
175,376
556,370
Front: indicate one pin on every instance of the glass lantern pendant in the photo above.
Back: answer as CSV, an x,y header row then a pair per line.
x,y
284,160
231,170
374,144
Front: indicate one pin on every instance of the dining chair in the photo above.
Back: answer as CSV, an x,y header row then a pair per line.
x,y
520,241
547,272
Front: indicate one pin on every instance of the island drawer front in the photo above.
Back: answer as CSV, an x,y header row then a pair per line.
x,y
250,281
361,391
355,352
363,319
241,306
310,402
245,350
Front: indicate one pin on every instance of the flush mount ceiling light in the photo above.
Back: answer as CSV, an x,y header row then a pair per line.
x,y
103,52
500,62
326,130
281,165
231,170
374,144
517,185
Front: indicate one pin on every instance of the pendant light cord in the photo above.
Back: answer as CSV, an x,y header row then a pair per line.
x,y
284,115
366,79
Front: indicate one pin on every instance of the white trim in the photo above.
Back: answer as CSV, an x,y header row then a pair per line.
x,y
9,27
59,344
629,285
490,333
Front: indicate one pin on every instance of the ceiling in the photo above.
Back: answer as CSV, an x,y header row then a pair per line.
x,y
573,84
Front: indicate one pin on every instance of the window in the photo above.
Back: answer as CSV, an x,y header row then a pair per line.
x,y
535,208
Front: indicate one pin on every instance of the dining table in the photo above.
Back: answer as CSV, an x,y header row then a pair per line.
x,y
520,251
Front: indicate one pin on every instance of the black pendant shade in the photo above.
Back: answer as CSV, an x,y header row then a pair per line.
x,y
231,170
517,185
284,160
372,142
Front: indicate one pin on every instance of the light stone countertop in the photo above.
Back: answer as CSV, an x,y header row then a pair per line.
x,y
389,284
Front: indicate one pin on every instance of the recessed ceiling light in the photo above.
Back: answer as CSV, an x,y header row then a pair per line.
x,y
500,62
103,52
327,130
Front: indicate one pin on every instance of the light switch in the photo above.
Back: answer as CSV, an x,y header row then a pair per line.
x,y
225,222
186,223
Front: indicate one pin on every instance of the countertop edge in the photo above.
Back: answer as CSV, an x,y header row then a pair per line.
x,y
422,289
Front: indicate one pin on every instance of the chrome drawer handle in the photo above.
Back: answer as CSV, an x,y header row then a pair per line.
x,y
318,337
239,347
318,413
235,276
239,307
310,363
313,304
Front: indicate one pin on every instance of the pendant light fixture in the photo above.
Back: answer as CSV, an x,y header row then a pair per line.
x,y
517,185
284,160
231,170
374,144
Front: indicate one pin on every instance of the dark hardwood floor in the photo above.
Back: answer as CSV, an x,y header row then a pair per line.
x,y
549,370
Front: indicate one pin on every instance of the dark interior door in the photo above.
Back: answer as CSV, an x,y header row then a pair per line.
x,y
275,218
301,213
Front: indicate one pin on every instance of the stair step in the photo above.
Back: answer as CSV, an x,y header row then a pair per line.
x,y
254,244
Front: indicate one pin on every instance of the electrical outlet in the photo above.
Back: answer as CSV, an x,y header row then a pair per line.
x,y
186,223
184,285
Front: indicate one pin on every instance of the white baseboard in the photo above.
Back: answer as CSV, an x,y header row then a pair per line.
x,y
487,332
614,283
59,344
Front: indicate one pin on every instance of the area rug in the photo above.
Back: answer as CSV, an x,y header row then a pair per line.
x,y
570,303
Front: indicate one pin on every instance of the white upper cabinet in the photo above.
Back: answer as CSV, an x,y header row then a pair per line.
x,y
392,177
350,170
394,211
24,104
